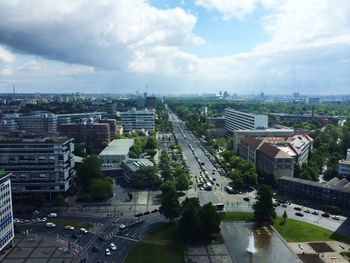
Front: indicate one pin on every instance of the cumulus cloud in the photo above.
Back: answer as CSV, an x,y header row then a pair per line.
x,y
111,34
6,56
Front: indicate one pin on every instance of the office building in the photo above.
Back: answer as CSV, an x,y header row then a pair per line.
x,y
38,164
95,136
6,213
335,192
35,122
238,120
344,166
133,168
269,160
138,120
239,134
314,101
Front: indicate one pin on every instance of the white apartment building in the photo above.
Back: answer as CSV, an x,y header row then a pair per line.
x,y
38,164
6,214
138,120
238,120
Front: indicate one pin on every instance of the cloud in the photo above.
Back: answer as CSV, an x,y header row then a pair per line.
x,y
6,56
32,65
109,34
6,71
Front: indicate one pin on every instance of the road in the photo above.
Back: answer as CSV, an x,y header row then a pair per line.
x,y
235,202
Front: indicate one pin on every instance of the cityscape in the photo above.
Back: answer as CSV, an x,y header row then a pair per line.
x,y
200,131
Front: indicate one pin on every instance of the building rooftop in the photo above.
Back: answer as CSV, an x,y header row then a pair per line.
x,y
118,147
334,184
136,164
33,139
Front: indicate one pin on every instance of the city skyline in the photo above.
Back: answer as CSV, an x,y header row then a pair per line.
x,y
175,47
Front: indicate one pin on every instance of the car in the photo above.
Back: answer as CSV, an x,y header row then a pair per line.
x,y
83,230
36,220
35,212
201,188
52,215
69,227
44,219
108,252
299,214
276,204
284,205
315,213
298,208
95,248
146,213
214,179
217,184
49,224
16,220
139,214
122,226
246,199
307,211
325,215
335,217
112,246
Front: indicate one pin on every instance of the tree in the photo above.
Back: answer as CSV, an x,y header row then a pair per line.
x,y
210,221
101,189
151,143
264,212
37,199
190,222
182,182
79,150
59,200
88,170
170,206
284,216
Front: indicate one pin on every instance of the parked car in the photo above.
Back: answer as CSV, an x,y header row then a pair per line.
x,y
325,215
315,213
44,219
284,205
108,252
246,199
307,211
83,230
35,212
298,208
69,227
52,215
335,217
49,224
112,246
299,214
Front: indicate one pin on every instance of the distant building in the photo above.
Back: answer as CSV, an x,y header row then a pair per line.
x,y
335,192
6,215
150,102
268,160
93,135
35,122
217,122
116,151
38,164
133,168
203,111
239,120
138,120
314,101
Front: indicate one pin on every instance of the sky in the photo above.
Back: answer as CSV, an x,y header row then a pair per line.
x,y
175,46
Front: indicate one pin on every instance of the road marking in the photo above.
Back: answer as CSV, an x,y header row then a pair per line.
x,y
127,238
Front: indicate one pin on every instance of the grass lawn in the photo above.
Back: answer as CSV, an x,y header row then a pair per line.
x,y
161,245
76,224
292,231
298,231
236,216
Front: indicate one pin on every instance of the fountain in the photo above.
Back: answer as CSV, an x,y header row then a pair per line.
x,y
251,244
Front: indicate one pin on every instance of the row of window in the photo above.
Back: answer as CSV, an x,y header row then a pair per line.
x,y
6,239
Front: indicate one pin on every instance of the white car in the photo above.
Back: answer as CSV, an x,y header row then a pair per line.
x,y
49,224
69,227
108,252
113,247
35,212
122,226
335,217
44,219
83,230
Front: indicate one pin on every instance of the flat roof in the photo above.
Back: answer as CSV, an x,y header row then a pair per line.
x,y
118,147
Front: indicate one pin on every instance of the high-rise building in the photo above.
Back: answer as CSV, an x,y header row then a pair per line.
x,y
38,164
150,102
6,213
138,120
238,120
